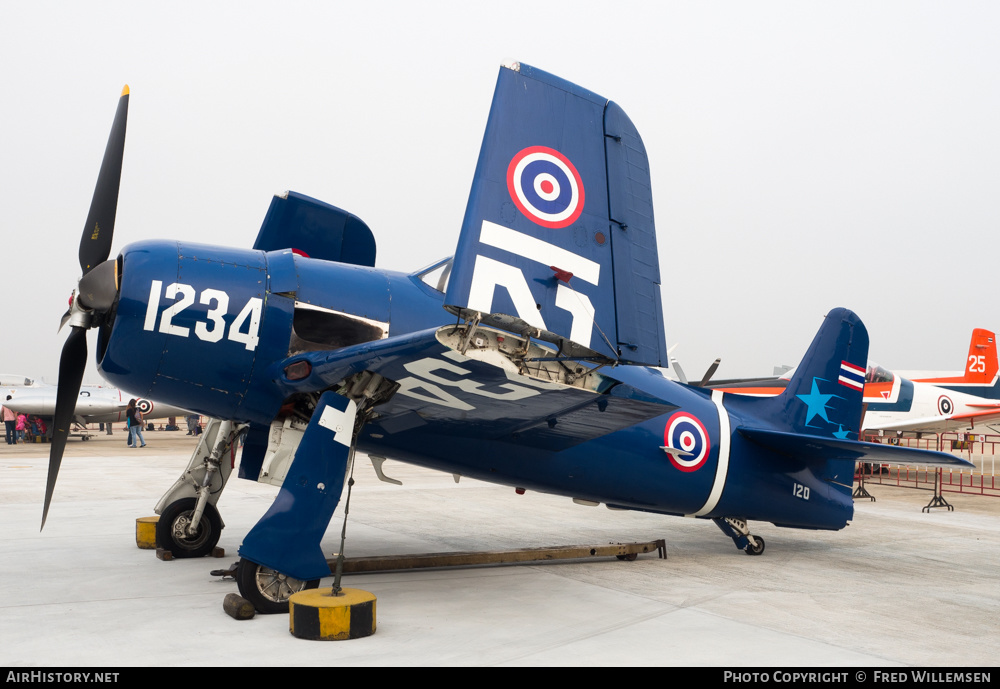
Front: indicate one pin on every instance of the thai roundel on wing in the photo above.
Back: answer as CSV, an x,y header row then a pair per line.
x,y
545,186
686,433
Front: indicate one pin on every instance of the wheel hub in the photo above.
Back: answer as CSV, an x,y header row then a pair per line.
x,y
180,532
275,586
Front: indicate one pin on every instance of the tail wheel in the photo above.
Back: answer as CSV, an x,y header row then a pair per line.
x,y
755,549
268,589
172,529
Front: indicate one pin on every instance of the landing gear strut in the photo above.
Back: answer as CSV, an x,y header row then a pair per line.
x,y
289,535
190,525
737,530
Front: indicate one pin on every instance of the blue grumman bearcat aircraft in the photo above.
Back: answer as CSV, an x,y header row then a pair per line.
x,y
531,359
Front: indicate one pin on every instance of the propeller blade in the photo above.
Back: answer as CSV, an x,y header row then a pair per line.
x,y
71,367
678,371
95,244
709,373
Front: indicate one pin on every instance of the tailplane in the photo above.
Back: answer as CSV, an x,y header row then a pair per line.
x,y
816,420
558,240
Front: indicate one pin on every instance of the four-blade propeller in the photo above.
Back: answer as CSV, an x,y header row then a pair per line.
x,y
95,294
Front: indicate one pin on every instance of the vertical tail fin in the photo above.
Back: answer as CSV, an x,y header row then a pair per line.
x,y
558,237
824,396
981,365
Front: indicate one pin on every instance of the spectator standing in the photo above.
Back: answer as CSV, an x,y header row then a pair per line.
x,y
21,422
134,424
10,421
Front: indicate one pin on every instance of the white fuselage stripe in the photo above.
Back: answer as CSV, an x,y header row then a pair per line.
x,y
722,469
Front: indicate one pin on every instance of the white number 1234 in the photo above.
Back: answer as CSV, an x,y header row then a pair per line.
x,y
243,329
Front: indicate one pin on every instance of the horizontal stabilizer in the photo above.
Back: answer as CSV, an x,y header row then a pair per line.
x,y
315,229
810,448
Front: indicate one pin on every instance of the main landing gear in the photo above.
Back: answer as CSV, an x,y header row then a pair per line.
x,y
190,525
737,530
289,535
268,589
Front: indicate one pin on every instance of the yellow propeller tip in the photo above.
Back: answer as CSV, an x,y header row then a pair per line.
x,y
125,90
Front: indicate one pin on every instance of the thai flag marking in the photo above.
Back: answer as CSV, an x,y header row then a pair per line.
x,y
852,376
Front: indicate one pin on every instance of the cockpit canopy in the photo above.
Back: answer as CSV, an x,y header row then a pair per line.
x,y
877,374
436,275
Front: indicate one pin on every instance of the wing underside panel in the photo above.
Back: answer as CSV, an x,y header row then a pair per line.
x,y
554,420
466,397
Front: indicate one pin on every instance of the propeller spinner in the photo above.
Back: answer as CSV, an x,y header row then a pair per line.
x,y
95,294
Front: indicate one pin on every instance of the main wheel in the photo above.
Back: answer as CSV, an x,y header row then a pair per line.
x,y
171,530
268,589
757,549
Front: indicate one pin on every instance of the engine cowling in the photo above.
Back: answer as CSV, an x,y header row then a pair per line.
x,y
197,326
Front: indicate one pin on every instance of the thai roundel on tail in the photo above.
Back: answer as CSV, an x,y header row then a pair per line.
x,y
558,234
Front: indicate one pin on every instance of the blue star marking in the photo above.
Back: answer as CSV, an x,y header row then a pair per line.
x,y
816,403
842,434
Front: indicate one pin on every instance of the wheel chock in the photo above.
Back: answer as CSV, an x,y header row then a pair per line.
x,y
145,538
319,615
145,532
224,573
238,607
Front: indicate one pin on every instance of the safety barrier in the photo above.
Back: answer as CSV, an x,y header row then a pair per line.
x,y
981,449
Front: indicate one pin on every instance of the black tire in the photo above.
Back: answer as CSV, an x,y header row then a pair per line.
x,y
628,557
755,550
268,589
175,518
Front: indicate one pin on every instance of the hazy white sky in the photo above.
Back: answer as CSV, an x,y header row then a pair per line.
x,y
804,155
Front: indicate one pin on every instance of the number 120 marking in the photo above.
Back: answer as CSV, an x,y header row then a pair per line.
x,y
243,329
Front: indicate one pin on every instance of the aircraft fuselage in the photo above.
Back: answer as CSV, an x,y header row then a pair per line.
x,y
226,321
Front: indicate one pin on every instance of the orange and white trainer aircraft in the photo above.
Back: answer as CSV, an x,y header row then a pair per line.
x,y
921,401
